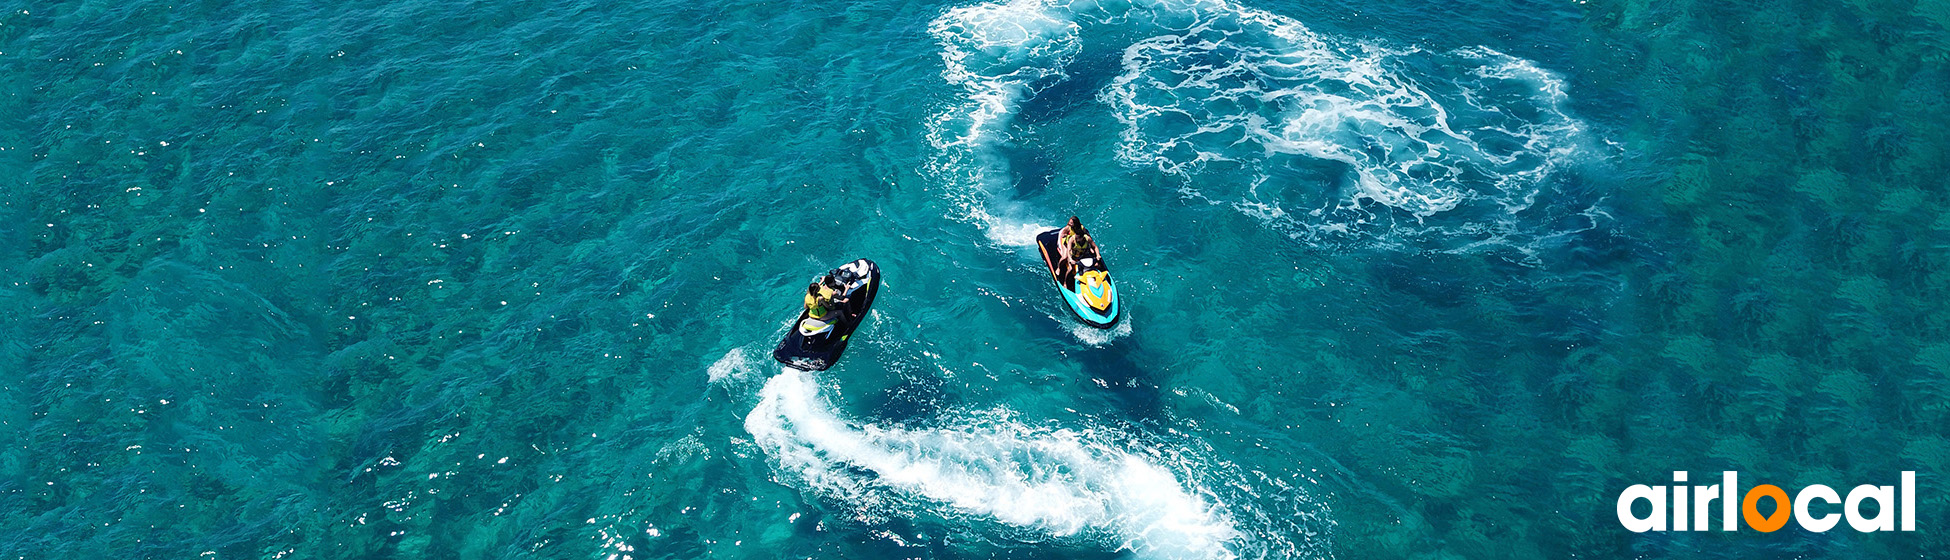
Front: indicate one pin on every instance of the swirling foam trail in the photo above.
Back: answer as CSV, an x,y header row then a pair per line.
x,y
1264,113
1092,335
1038,484
997,53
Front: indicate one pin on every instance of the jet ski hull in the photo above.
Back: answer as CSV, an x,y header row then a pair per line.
x,y
820,351
1078,296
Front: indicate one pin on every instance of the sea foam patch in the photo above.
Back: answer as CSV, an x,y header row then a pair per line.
x,y
989,470
732,367
1310,134
1092,335
998,54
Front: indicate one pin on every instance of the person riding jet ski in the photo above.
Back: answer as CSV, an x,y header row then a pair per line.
x,y
1080,274
826,301
1073,245
836,303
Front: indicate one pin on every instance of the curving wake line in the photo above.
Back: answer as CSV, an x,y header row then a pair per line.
x,y
1058,484
1311,134
995,52
991,472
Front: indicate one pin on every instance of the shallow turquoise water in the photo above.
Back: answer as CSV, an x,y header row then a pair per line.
x,y
1402,280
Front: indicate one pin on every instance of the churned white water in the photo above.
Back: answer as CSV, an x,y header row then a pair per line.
x,y
992,470
1311,134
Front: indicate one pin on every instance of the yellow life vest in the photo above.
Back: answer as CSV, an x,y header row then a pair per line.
x,y
1075,243
819,306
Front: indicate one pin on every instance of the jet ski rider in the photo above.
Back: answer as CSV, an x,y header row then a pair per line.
x,y
825,298
1073,244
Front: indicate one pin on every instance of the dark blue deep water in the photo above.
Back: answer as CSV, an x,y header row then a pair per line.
x,y
480,279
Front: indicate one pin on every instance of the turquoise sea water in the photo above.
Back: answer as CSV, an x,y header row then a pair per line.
x,y
1402,280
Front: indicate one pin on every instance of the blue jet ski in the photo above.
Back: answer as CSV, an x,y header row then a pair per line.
x,y
816,344
1089,294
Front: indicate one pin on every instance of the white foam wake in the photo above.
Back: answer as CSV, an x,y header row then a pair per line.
x,y
1311,134
1092,335
733,366
1036,484
996,53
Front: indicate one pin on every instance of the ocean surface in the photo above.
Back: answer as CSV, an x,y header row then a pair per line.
x,y
488,279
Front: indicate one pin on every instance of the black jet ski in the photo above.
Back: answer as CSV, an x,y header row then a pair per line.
x,y
815,344
1089,294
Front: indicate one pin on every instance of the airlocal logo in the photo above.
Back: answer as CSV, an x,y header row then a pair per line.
x,y
1885,498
